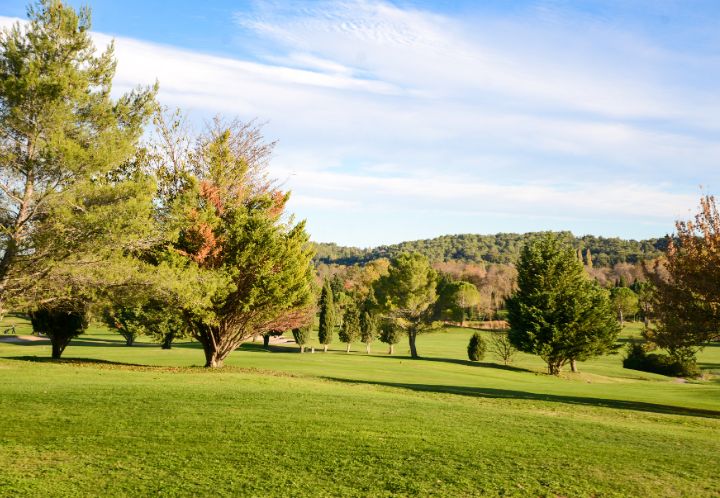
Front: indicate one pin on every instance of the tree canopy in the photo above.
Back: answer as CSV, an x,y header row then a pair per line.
x,y
557,312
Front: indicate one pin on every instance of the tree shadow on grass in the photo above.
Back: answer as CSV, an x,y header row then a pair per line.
x,y
72,361
457,361
486,392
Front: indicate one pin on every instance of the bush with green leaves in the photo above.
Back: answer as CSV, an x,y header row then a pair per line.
x,y
61,323
639,359
476,347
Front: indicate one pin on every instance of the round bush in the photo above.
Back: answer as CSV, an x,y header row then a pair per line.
x,y
476,347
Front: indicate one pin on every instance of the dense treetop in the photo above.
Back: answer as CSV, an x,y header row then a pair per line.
x,y
498,248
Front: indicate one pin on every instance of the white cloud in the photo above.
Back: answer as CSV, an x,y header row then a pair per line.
x,y
385,113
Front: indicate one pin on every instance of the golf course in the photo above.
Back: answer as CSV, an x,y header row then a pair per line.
x,y
112,419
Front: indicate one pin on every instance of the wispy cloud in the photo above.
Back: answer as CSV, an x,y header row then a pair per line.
x,y
396,122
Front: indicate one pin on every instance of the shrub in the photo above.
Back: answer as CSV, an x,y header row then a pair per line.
x,y
476,347
639,359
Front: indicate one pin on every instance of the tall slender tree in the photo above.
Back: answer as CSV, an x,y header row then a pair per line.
x,y
350,330
327,316
368,329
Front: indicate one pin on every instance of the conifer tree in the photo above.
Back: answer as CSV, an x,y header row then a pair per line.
x,y
70,191
390,334
327,316
588,258
407,295
350,330
368,330
557,312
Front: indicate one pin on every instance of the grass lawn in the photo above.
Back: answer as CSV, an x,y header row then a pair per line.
x,y
117,420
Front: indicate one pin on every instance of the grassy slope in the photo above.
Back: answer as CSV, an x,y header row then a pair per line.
x,y
348,424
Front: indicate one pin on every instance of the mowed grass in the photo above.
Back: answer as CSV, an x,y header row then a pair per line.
x,y
117,420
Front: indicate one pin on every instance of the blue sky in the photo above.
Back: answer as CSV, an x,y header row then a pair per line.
x,y
405,120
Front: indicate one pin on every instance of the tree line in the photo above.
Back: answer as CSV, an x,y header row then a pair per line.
x,y
501,248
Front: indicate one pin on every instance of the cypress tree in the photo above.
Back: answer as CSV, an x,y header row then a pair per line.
x,y
327,318
368,330
350,330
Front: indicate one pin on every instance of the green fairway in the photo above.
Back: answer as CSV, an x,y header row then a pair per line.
x,y
280,423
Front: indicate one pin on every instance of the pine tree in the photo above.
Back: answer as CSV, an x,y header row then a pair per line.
x,y
68,158
407,295
588,258
327,316
301,336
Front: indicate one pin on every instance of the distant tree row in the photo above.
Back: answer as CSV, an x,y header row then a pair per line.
x,y
502,248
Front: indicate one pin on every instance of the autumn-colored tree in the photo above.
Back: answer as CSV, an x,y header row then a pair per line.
x,y
687,297
243,268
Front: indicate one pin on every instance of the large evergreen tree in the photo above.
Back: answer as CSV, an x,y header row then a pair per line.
x,y
68,182
407,295
557,312
242,267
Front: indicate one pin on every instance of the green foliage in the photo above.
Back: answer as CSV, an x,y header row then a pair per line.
x,y
639,359
327,315
350,330
455,298
301,336
391,333
624,301
476,347
241,268
60,322
70,186
499,248
557,312
152,318
407,295
368,328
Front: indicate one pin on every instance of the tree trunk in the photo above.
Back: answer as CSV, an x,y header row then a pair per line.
x,y
325,348
167,341
573,365
367,348
266,341
302,348
413,349
392,349
554,367
347,350
622,322
129,339
15,240
57,349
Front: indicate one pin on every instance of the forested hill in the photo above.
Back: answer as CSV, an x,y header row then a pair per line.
x,y
498,248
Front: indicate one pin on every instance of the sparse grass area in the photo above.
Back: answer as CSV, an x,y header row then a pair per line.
x,y
280,423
